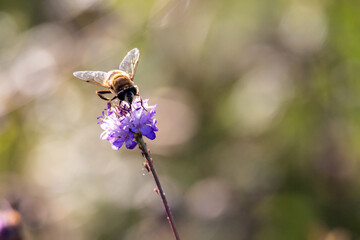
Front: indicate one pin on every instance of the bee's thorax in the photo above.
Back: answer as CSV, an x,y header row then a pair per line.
x,y
118,80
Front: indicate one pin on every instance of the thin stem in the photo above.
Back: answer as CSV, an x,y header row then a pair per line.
x,y
145,151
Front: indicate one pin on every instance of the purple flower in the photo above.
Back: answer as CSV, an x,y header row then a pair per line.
x,y
121,123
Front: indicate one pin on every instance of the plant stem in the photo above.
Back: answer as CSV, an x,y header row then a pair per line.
x,y
145,151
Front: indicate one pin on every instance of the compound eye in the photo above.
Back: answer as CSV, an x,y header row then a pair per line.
x,y
133,90
121,96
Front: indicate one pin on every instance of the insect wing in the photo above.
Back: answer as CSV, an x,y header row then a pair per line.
x,y
130,62
95,77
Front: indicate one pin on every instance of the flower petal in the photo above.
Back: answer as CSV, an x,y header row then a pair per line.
x,y
153,124
117,143
104,135
148,132
130,144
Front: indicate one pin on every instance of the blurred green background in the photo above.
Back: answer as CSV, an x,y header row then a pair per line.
x,y
258,110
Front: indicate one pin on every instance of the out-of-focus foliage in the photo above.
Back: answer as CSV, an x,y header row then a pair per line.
x,y
258,114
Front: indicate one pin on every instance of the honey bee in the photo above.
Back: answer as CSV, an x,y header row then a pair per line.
x,y
119,82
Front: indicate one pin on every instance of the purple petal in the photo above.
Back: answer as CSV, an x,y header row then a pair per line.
x,y
148,132
130,144
151,114
144,119
134,129
108,106
104,135
145,129
153,124
117,143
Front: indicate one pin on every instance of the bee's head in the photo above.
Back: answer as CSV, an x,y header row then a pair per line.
x,y
127,95
121,95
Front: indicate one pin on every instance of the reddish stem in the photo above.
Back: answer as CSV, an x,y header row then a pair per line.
x,y
145,151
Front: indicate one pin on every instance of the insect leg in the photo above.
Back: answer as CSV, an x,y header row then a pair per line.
x,y
137,93
100,94
141,101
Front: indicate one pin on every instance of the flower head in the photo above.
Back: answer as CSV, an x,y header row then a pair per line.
x,y
120,124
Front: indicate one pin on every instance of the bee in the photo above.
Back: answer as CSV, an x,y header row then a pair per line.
x,y
119,82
